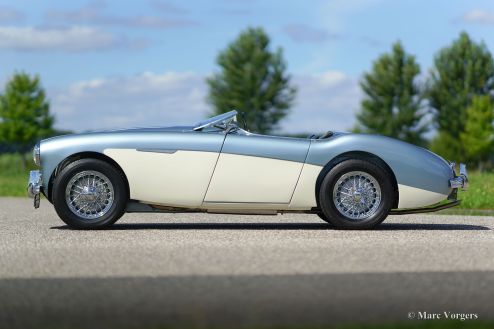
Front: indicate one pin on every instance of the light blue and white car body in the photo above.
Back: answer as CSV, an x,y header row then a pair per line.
x,y
215,166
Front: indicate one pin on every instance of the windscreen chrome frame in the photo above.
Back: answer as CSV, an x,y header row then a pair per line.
x,y
222,121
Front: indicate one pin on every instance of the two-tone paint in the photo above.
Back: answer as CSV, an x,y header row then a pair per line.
x,y
217,169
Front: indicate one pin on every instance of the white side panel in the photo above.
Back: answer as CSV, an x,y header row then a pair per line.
x,y
176,179
240,178
304,196
412,197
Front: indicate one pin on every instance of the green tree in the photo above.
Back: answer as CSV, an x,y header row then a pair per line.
x,y
478,137
24,113
392,103
253,80
461,71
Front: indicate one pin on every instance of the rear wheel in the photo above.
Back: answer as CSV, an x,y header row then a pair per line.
x,y
356,194
89,194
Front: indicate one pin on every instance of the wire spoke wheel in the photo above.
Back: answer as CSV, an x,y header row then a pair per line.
x,y
357,195
89,194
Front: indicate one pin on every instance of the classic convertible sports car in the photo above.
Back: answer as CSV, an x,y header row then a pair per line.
x,y
352,181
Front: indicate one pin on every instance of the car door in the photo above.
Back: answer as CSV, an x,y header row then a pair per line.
x,y
257,169
171,168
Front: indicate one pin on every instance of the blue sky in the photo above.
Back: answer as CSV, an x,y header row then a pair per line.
x,y
109,64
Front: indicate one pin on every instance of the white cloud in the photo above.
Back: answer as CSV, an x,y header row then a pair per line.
x,y
147,99
325,101
75,38
478,16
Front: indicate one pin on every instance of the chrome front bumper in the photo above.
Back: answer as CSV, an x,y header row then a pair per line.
x,y
461,180
34,186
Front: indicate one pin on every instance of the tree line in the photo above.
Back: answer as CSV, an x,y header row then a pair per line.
x,y
454,99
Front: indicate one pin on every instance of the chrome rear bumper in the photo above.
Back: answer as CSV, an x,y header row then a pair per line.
x,y
433,208
34,186
460,181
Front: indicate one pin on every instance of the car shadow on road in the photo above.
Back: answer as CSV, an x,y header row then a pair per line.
x,y
285,226
431,227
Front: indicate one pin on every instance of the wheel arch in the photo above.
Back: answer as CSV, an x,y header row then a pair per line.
x,y
356,155
84,155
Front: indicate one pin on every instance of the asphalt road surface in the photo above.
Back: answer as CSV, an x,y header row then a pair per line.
x,y
199,270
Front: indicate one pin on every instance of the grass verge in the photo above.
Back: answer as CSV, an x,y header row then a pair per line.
x,y
13,175
480,194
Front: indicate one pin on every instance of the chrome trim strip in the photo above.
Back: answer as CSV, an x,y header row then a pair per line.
x,y
157,151
432,208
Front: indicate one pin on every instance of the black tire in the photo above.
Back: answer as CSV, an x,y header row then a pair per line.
x,y
324,218
321,215
111,215
377,214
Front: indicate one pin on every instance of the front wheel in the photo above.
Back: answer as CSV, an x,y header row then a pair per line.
x,y
89,194
356,194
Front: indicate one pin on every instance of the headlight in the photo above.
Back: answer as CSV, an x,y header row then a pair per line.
x,y
36,155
